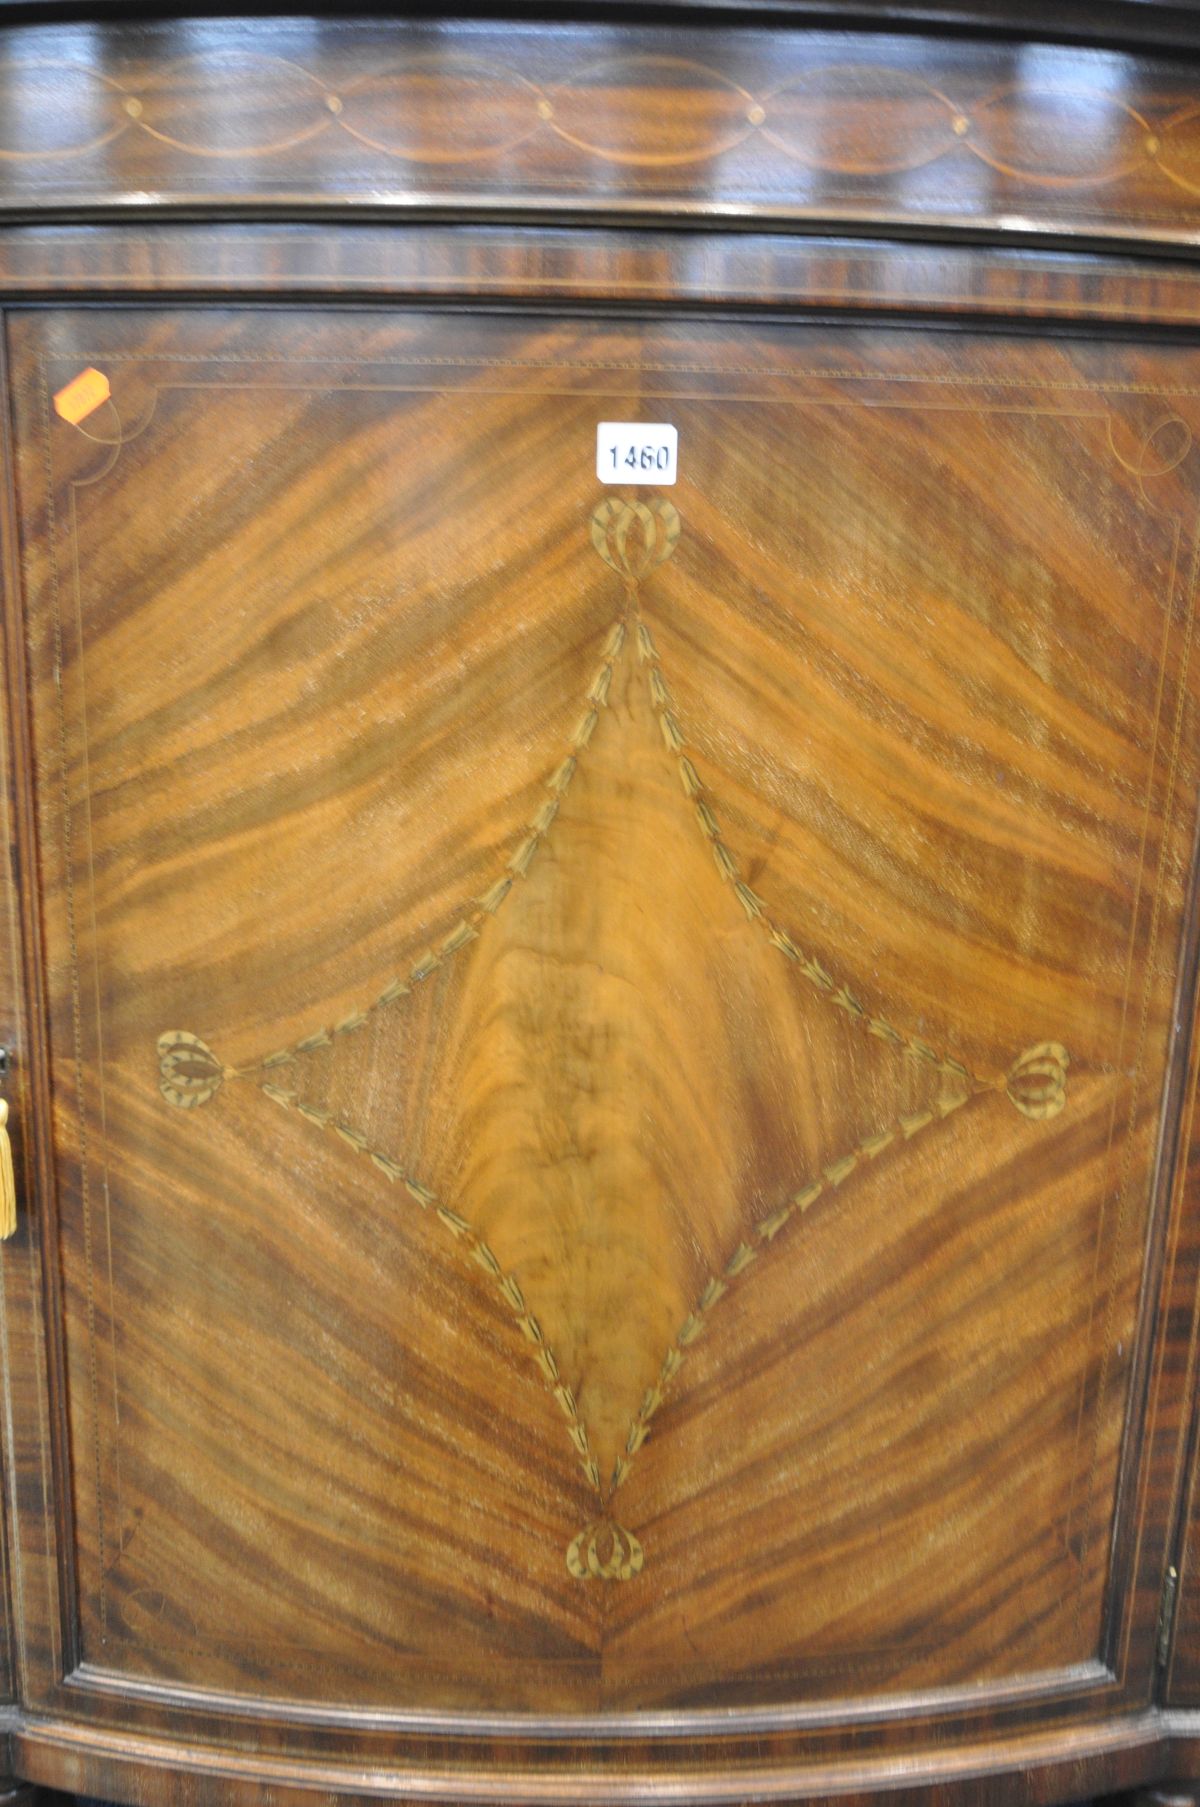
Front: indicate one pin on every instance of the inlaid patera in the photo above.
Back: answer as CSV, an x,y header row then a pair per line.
x,y
632,538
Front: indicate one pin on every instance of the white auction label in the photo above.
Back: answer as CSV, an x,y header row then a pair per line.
x,y
630,451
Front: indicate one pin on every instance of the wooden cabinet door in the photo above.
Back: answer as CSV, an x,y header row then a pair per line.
x,y
607,1048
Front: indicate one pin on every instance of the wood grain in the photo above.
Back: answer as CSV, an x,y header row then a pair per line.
x,y
1052,1771
545,120
911,749
706,271
604,1326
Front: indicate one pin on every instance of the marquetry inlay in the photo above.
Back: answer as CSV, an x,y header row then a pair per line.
x,y
800,123
634,539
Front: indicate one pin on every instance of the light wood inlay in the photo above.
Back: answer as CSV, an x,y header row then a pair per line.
x,y
831,840
552,1090
540,119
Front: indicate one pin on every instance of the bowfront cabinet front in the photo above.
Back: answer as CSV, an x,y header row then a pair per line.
x,y
598,1023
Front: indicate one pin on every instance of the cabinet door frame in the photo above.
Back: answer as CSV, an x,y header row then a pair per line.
x,y
122,1716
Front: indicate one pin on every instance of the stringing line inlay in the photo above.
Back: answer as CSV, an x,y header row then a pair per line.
x,y
633,538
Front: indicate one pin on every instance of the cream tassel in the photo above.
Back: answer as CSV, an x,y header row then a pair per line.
x,y
8,1188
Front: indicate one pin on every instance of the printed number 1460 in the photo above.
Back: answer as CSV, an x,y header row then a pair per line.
x,y
636,452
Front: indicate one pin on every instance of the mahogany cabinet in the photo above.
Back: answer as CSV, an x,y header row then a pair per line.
x,y
599,1024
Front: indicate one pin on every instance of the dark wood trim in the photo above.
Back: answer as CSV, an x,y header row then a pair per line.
x,y
608,269
1179,1312
35,1395
953,1713
1153,1448
1054,1768
1112,23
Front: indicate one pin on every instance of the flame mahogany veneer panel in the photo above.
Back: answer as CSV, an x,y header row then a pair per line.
x,y
670,991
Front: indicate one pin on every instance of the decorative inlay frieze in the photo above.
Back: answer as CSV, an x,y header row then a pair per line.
x,y
458,109
816,123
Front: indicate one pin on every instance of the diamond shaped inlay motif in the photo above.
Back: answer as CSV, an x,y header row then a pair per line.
x,y
603,1174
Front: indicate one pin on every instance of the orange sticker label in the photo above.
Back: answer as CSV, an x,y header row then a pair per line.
x,y
82,396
